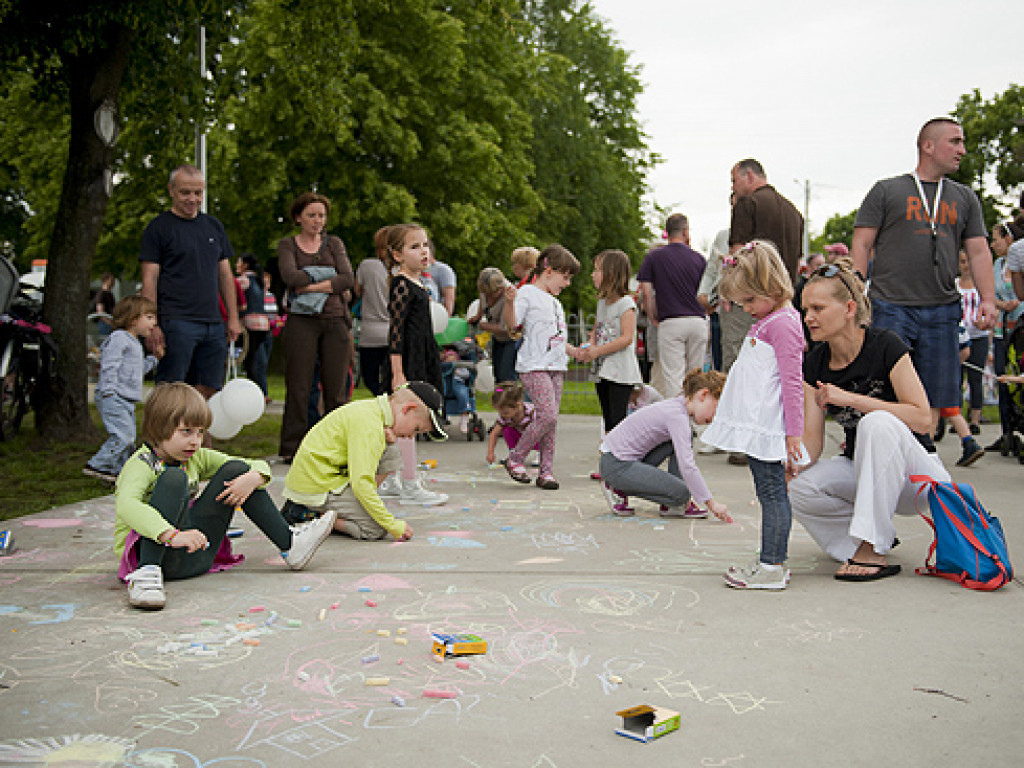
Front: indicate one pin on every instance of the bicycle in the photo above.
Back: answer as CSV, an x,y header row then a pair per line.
x,y
26,363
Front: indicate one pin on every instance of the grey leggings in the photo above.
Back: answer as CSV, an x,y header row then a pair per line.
x,y
644,479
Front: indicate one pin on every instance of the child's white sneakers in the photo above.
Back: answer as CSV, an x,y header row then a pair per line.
x,y
307,537
413,492
146,588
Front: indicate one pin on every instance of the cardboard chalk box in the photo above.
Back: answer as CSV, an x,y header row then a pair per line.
x,y
646,723
457,645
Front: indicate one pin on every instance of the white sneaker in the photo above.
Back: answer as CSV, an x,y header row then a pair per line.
x,y
146,588
391,488
307,538
755,576
413,493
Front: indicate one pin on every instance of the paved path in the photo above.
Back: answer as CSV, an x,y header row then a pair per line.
x,y
909,671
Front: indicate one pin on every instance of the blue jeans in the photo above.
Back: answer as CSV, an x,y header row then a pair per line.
x,y
462,395
932,334
196,353
776,514
119,419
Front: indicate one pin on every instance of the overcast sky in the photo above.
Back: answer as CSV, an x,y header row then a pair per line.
x,y
833,92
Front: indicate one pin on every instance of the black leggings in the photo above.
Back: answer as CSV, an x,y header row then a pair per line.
x,y
212,517
614,399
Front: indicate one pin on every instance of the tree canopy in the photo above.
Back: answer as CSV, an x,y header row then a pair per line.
x,y
495,124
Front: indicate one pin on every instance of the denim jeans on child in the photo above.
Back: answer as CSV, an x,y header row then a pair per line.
x,y
118,417
776,513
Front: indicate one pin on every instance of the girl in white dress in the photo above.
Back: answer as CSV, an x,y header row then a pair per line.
x,y
761,409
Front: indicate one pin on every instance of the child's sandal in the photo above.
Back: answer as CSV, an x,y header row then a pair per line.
x,y
517,471
547,482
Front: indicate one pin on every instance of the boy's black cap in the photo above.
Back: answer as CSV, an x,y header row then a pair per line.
x,y
435,403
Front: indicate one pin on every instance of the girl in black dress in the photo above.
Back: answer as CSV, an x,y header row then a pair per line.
x,y
413,354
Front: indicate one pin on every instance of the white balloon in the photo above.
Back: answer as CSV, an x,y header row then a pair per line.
x,y
473,309
242,401
484,377
221,428
438,317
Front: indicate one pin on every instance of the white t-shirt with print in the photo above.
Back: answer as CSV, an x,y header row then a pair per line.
x,y
622,366
544,331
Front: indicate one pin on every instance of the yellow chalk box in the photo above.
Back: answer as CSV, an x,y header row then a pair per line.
x,y
646,723
457,645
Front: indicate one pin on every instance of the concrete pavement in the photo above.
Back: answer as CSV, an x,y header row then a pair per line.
x,y
585,614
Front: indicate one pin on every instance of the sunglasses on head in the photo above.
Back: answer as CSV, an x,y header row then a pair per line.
x,y
831,270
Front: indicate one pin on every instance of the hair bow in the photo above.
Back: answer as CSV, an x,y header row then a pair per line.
x,y
729,261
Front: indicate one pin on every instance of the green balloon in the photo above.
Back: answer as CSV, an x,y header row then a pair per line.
x,y
457,330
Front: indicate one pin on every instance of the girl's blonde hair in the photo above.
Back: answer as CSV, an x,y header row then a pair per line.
x,y
131,308
845,285
557,258
756,269
525,257
614,266
507,394
170,405
696,380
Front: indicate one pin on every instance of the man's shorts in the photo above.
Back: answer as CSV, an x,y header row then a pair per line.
x,y
195,353
932,334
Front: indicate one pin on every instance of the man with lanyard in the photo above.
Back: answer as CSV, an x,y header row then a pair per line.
x,y
917,223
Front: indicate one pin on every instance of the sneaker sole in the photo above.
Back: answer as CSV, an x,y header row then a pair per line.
x,y
332,514
968,460
413,503
737,584
683,516
106,477
147,606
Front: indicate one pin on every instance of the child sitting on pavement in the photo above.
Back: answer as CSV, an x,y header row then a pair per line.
x,y
343,459
162,529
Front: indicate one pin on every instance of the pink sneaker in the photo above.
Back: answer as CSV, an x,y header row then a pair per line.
x,y
618,502
690,512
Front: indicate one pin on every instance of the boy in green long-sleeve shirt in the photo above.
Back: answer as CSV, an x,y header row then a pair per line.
x,y
342,460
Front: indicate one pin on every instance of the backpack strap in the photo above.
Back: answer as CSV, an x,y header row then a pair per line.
x,y
929,570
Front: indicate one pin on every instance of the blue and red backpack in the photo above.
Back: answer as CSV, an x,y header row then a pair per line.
x,y
969,546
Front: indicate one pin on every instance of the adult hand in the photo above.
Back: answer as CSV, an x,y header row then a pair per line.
x,y
987,315
155,340
829,394
239,489
234,329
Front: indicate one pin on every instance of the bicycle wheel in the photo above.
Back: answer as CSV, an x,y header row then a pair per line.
x,y
13,394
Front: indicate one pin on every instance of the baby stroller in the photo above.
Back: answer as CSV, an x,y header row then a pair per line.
x,y
458,381
1015,367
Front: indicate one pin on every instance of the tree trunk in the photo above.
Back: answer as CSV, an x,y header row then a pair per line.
x,y
95,77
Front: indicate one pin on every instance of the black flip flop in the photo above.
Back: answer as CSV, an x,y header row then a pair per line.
x,y
882,572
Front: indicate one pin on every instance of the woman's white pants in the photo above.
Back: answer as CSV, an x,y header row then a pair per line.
x,y
842,503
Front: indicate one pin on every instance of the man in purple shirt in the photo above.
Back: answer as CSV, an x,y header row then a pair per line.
x,y
669,278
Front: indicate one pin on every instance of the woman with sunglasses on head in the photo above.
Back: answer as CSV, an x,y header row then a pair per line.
x,y
863,377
